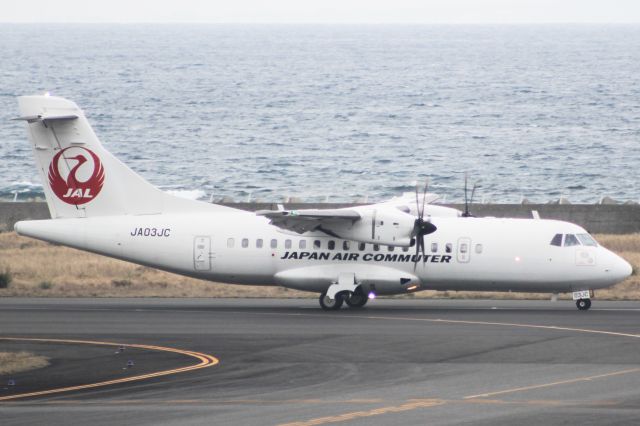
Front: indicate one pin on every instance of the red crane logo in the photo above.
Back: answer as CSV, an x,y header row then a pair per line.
x,y
75,190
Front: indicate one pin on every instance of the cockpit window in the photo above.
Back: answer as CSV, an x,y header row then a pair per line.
x,y
557,240
587,240
571,240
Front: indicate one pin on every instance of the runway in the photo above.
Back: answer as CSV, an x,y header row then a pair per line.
x,y
286,362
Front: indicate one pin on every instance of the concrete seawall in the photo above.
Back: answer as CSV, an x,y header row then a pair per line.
x,y
597,219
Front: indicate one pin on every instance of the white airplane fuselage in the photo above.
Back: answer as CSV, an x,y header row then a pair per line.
x,y
500,255
100,205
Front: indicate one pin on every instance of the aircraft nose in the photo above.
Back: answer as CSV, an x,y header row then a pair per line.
x,y
621,269
626,268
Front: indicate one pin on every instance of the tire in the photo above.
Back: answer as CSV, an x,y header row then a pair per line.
x,y
357,299
331,305
583,304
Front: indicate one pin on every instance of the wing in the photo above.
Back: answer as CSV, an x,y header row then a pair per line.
x,y
407,203
302,221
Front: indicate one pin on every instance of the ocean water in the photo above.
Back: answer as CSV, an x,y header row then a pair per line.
x,y
340,113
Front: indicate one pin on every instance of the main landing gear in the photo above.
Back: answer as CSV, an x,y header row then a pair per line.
x,y
331,305
345,289
354,300
357,299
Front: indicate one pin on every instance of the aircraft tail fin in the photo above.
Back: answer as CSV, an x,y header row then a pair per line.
x,y
80,177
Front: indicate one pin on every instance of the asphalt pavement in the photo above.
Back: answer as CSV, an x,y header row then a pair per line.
x,y
274,362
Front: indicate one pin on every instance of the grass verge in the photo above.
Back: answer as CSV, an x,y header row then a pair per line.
x,y
16,362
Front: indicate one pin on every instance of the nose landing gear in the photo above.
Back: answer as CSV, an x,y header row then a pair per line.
x,y
583,304
583,299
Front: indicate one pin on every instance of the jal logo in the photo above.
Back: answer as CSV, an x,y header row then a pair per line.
x,y
76,175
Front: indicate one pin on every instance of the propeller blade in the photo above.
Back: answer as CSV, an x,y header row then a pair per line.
x,y
466,200
373,225
424,197
415,259
417,200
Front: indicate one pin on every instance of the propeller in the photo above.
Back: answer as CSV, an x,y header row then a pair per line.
x,y
467,201
421,227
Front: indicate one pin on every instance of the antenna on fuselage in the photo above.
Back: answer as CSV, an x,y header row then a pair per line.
x,y
469,201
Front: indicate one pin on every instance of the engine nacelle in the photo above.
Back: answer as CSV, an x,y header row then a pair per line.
x,y
387,225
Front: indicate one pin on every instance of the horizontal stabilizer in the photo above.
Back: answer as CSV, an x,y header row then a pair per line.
x,y
47,117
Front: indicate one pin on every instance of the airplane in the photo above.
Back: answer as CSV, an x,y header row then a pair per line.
x,y
349,255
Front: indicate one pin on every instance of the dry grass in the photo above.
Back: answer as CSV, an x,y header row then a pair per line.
x,y
15,362
44,270
40,269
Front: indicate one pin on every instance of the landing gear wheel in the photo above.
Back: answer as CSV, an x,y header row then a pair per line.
x,y
331,305
583,304
357,299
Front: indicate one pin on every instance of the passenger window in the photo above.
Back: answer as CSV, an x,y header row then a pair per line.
x,y
274,243
287,244
245,242
390,248
302,244
448,248
478,248
362,246
231,242
434,247
587,240
345,245
317,244
259,243
557,240
376,247
571,240
331,245
405,249
463,248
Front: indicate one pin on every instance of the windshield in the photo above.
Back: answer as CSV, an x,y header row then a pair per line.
x,y
571,240
587,240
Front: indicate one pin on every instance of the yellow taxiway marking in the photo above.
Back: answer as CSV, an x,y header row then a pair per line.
x,y
480,398
408,406
548,385
204,362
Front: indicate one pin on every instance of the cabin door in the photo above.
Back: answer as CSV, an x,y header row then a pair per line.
x,y
202,253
